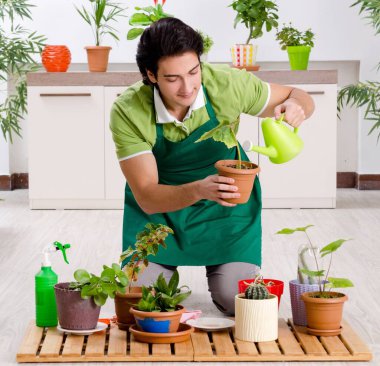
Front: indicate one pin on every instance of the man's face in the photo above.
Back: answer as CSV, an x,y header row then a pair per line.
x,y
179,79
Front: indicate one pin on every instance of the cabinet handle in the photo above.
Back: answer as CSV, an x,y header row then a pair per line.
x,y
316,92
65,95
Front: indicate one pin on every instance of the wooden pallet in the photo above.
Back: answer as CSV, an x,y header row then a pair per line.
x,y
293,344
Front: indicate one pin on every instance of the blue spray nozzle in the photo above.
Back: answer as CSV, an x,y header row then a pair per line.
x,y
62,248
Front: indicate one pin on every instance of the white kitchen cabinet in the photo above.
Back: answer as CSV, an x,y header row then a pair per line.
x,y
66,146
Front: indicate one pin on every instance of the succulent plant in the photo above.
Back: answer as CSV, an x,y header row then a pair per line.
x,y
256,291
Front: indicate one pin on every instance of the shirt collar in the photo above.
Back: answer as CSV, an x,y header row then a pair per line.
x,y
163,115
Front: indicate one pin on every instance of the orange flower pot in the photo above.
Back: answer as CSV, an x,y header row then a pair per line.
x,y
97,57
56,58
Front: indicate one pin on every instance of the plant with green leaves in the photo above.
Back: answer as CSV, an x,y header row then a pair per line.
x,y
324,281
99,17
145,17
17,48
290,36
163,296
111,280
148,243
254,14
365,94
226,132
207,42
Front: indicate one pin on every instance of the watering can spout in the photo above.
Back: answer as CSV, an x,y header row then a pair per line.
x,y
269,151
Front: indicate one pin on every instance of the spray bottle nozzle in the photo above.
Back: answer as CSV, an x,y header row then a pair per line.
x,y
62,248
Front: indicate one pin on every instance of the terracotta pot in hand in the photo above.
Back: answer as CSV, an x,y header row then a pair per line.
x,y
97,57
244,178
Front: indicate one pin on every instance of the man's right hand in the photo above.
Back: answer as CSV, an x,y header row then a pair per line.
x,y
217,188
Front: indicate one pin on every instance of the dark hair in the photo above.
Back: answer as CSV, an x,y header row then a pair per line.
x,y
165,37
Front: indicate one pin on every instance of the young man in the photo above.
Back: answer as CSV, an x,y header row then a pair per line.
x,y
172,180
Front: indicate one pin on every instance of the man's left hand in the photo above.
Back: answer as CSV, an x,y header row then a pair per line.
x,y
294,113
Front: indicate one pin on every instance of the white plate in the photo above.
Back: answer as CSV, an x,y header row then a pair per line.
x,y
210,324
100,326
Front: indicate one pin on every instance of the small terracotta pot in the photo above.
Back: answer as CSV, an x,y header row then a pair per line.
x,y
123,303
244,178
324,315
158,322
73,311
97,57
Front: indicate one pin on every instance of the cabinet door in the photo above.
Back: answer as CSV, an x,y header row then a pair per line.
x,y
309,180
114,178
66,143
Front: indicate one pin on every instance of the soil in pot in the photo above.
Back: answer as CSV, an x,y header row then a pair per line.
x,y
123,304
244,177
74,312
324,315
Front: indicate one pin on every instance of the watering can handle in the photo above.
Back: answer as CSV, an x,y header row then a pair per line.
x,y
280,120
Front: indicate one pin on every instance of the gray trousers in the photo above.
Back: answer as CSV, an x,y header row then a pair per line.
x,y
222,280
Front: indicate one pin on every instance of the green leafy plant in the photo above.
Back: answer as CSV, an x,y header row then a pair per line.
x,y
207,42
17,47
225,132
365,94
145,17
290,36
111,280
324,281
99,17
163,296
148,243
254,14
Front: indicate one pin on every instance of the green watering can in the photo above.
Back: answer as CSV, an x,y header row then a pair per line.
x,y
281,143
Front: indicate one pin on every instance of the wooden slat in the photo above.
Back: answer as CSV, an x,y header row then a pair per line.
x,y
245,348
117,343
161,350
184,348
268,348
96,344
352,341
52,343
138,349
334,346
223,344
31,341
287,341
310,343
73,346
201,344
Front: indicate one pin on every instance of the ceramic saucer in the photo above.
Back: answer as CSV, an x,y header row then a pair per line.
x,y
99,327
211,324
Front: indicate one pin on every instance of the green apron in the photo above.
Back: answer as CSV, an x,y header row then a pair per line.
x,y
205,233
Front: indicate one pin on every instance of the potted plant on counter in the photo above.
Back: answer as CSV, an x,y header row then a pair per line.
x,y
254,14
79,302
148,243
159,310
298,45
243,172
99,17
207,44
256,314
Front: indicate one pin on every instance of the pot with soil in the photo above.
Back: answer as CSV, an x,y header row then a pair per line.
x,y
123,304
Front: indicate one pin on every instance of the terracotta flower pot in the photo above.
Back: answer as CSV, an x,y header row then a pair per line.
x,y
97,57
73,311
123,303
158,322
56,58
256,320
324,315
244,178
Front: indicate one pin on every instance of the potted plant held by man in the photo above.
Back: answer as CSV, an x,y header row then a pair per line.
x,y
99,17
243,172
298,45
255,15
148,243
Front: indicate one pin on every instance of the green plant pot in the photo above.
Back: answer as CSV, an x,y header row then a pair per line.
x,y
298,57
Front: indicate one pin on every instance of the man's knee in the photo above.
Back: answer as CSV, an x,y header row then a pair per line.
x,y
224,302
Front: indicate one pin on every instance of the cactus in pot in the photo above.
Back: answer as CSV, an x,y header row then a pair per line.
x,y
256,292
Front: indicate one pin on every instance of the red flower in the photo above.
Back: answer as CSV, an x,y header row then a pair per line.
x,y
163,2
155,2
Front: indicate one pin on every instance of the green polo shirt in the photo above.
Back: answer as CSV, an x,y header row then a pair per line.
x,y
231,92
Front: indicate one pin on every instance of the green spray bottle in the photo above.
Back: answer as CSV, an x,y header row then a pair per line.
x,y
45,280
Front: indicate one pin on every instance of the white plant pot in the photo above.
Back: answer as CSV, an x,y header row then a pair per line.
x,y
256,320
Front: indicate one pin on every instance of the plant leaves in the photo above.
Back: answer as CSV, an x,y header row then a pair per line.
x,y
312,273
82,276
291,231
222,133
134,33
173,283
335,282
332,247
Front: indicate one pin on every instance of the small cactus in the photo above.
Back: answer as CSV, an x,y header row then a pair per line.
x,y
256,292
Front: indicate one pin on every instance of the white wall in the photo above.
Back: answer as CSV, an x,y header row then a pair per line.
x,y
341,35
